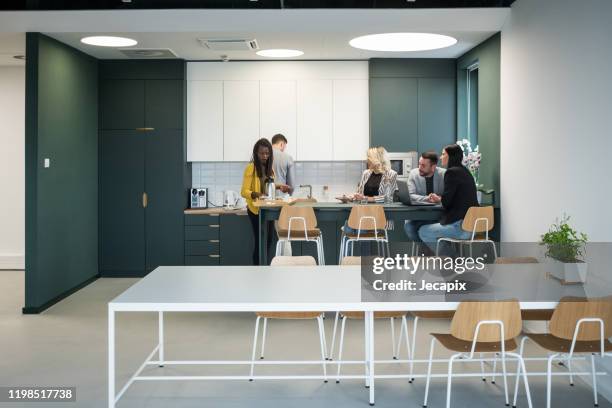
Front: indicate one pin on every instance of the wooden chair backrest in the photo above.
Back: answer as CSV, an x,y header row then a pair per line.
x,y
516,260
351,260
475,213
359,212
468,314
289,211
293,261
571,309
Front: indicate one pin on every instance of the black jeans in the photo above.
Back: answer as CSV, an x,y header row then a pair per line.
x,y
254,218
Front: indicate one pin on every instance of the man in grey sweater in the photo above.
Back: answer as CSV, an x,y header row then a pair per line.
x,y
284,168
424,184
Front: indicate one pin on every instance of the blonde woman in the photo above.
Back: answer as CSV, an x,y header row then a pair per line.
x,y
378,180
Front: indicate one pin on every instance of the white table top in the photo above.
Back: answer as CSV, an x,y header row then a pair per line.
x,y
321,288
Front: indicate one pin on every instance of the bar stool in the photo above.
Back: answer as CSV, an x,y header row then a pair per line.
x,y
370,224
318,316
481,327
478,221
577,326
299,224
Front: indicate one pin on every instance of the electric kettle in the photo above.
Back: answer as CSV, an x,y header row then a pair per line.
x,y
270,188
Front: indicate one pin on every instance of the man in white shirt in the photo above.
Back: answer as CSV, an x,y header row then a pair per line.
x,y
424,185
284,168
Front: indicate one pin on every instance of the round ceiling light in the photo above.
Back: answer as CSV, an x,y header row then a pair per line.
x,y
279,53
398,42
108,41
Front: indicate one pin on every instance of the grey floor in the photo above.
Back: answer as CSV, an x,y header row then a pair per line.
x,y
66,345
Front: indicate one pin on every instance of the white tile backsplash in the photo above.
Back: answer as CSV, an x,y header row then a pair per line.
x,y
340,177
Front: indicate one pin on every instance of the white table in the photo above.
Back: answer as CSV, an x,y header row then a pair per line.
x,y
258,288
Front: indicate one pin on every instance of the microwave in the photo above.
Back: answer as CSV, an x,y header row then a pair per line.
x,y
402,163
198,198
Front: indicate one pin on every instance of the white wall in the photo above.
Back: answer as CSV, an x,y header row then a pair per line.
x,y
556,121
12,178
556,117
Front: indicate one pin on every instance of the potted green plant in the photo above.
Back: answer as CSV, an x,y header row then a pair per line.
x,y
566,248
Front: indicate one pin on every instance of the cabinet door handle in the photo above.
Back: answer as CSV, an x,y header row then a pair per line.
x,y
214,225
214,256
145,129
213,240
145,200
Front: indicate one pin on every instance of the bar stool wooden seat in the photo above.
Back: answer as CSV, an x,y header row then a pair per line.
x,y
368,223
299,224
577,326
481,327
479,221
318,316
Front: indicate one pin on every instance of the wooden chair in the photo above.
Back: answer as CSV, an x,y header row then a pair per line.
x,y
370,224
481,327
318,316
478,221
299,224
577,326
353,261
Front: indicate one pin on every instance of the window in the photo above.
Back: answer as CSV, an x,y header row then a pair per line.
x,y
472,103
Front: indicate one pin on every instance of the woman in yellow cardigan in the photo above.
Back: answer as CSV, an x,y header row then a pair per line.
x,y
255,175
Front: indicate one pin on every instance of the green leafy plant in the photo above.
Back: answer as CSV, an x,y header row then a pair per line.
x,y
564,243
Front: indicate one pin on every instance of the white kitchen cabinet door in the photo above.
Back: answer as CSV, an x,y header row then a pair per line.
x,y
278,111
240,119
314,120
205,121
351,136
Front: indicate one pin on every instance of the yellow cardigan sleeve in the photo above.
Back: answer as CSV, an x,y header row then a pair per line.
x,y
247,182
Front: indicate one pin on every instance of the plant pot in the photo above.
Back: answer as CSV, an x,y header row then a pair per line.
x,y
568,272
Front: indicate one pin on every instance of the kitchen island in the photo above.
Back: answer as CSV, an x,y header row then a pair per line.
x,y
332,215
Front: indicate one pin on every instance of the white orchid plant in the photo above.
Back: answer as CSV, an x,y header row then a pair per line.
x,y
471,158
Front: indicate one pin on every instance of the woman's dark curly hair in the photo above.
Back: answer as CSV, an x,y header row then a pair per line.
x,y
259,166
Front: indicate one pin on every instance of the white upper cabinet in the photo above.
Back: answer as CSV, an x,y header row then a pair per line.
x,y
314,119
204,120
240,119
320,106
351,114
278,111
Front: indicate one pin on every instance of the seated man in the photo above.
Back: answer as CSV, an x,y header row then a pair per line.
x,y
423,184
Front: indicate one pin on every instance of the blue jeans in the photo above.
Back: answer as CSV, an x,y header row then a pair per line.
x,y
411,228
429,234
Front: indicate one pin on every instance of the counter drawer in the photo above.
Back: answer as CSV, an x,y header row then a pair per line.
x,y
201,232
201,219
208,260
210,247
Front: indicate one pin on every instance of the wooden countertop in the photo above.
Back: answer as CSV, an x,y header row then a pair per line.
x,y
215,211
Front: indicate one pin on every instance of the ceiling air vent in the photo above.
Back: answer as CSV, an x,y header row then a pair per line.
x,y
144,53
229,44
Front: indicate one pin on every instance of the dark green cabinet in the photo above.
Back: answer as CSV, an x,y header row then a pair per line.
x,y
412,104
165,197
121,214
142,171
394,113
437,112
121,104
237,241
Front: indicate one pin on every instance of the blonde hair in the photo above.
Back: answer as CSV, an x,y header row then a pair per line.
x,y
378,159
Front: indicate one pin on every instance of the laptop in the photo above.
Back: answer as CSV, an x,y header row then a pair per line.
x,y
404,195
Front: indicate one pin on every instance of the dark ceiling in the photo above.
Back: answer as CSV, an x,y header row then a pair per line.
x,y
241,4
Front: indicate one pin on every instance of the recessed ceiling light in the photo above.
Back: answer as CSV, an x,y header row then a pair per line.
x,y
108,41
398,42
280,53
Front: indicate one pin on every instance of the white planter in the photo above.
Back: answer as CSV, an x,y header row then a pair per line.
x,y
568,273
